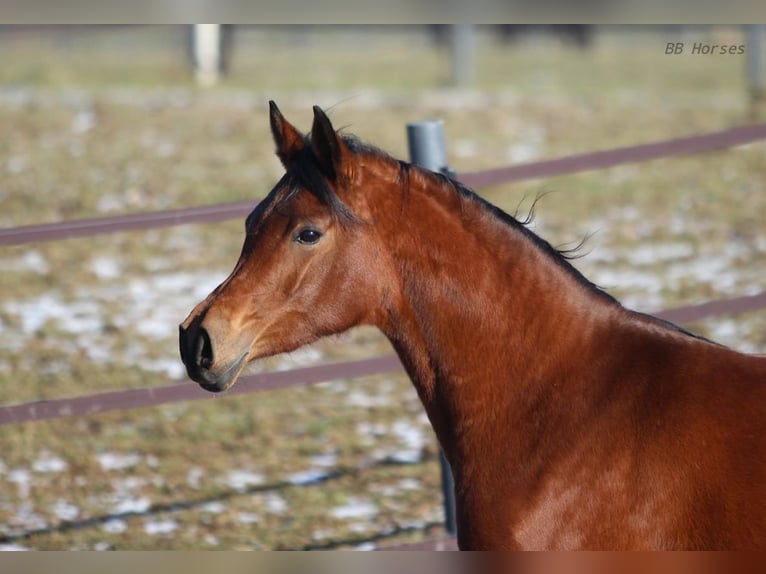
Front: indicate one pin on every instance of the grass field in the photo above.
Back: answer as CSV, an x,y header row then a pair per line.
x,y
108,122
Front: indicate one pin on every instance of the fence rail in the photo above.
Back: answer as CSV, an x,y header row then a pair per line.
x,y
565,165
619,156
184,390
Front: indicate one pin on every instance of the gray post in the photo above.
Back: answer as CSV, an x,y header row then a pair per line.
x,y
754,53
463,43
428,150
426,144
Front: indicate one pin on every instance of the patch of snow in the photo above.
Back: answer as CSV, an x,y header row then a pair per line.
x,y
365,546
727,331
322,534
304,357
658,252
530,139
159,527
114,526
275,504
84,121
132,505
241,480
247,518
410,484
355,508
105,267
171,366
521,152
127,484
326,460
626,279
78,317
156,300
360,527
359,399
22,478
413,438
194,477
13,548
372,430
160,300
63,510
16,164
601,254
626,213
708,269
27,518
32,260
210,539
49,463
213,507
117,461
307,476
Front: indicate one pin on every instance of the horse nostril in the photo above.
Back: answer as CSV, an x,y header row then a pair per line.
x,y
203,352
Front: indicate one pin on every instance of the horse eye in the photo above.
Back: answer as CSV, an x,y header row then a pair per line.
x,y
308,236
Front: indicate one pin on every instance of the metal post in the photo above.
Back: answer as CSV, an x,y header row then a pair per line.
x,y
426,144
463,43
754,53
427,149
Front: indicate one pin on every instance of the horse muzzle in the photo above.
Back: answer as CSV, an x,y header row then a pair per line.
x,y
197,354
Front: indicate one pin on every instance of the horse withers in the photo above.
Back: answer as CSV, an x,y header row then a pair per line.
x,y
568,420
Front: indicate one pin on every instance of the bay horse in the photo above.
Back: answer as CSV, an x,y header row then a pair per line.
x,y
569,421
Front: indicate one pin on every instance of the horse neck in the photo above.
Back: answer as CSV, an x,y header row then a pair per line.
x,y
483,320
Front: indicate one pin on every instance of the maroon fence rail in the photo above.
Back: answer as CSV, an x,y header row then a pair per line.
x,y
560,166
610,158
185,390
128,222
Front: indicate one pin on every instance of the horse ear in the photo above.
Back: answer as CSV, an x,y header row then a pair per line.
x,y
328,146
288,139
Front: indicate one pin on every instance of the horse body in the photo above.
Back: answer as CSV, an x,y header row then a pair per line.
x,y
568,420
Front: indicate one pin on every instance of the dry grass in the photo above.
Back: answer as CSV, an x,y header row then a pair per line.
x,y
91,131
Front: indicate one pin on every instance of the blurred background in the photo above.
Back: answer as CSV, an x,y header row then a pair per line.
x,y
107,120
